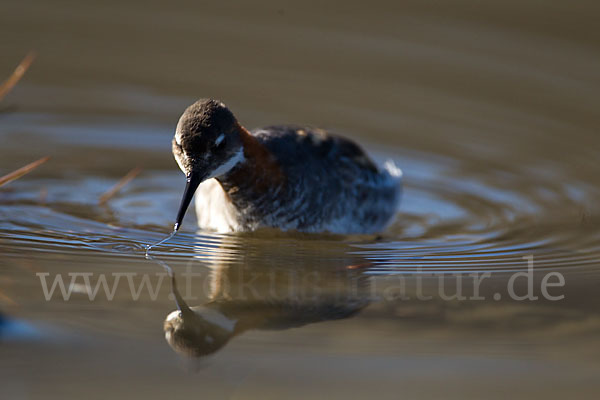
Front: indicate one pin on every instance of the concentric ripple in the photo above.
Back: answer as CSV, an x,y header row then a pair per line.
x,y
450,221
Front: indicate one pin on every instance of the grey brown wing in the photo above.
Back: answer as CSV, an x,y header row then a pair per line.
x,y
313,147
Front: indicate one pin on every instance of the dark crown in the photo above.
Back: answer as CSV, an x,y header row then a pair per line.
x,y
204,121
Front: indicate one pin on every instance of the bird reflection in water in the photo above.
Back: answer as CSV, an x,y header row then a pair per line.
x,y
266,297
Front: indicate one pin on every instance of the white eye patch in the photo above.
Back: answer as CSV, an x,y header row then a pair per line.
x,y
220,139
228,165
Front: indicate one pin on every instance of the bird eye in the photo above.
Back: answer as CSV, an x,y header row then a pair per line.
x,y
220,140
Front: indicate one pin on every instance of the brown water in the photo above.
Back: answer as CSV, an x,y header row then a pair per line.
x,y
490,110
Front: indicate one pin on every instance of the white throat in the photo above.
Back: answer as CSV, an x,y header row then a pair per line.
x,y
228,165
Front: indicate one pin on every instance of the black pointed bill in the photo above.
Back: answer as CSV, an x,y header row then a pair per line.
x,y
193,180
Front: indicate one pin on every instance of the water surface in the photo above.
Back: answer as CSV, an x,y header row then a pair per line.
x,y
490,110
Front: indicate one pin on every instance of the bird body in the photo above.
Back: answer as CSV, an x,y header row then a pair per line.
x,y
285,177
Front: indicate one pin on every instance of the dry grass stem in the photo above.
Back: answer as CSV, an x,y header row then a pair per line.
x,y
22,171
16,76
119,185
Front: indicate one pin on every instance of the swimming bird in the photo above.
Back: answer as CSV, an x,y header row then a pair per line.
x,y
285,177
